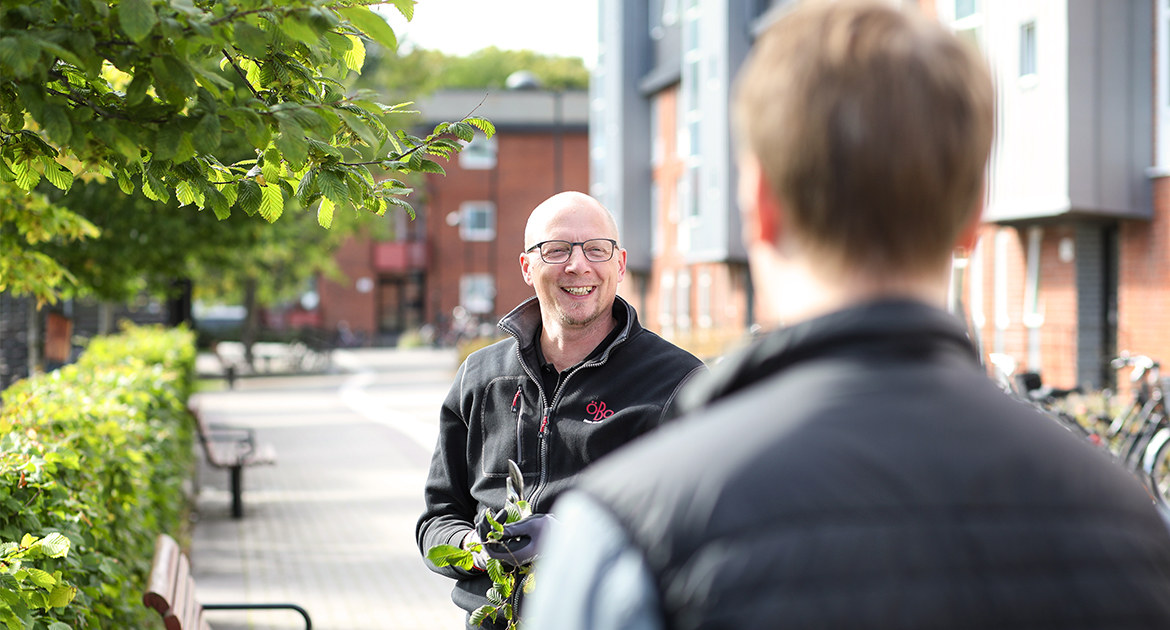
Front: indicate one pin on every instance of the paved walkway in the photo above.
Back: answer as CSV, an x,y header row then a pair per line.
x,y
331,525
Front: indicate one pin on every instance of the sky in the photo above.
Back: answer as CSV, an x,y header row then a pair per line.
x,y
559,27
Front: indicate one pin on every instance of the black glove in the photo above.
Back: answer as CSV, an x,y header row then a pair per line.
x,y
520,540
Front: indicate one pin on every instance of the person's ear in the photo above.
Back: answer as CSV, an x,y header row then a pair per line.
x,y
526,269
969,235
762,211
621,256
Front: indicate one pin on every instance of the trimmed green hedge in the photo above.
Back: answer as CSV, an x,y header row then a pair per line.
x,y
98,451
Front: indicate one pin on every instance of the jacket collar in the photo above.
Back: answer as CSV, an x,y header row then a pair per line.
x,y
524,320
875,327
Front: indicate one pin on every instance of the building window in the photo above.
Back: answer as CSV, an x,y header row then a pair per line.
x,y
479,154
1028,49
477,293
965,8
1033,312
968,22
477,221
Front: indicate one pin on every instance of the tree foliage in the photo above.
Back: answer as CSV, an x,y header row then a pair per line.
x,y
146,92
423,71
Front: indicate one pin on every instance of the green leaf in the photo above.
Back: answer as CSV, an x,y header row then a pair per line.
x,y
56,123
292,144
325,213
271,202
60,597
125,183
332,186
450,555
184,193
137,18
482,613
299,31
57,625
427,166
21,53
136,91
463,130
495,570
355,57
218,202
494,596
251,40
405,7
360,127
270,167
482,124
57,174
40,578
27,177
205,137
372,25
249,196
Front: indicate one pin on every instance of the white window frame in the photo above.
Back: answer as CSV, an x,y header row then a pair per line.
x,y
1029,62
1033,315
470,232
477,292
480,154
1162,89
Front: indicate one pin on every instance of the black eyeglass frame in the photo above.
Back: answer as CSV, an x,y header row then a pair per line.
x,y
573,244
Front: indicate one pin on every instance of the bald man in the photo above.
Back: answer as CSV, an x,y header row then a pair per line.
x,y
577,378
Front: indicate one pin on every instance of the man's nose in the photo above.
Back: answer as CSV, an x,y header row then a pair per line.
x,y
577,258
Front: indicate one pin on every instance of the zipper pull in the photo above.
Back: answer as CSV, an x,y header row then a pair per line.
x,y
544,424
516,398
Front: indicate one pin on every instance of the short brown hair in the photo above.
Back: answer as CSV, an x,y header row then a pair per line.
x,y
872,126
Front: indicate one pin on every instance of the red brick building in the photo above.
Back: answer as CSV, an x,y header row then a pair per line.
x,y
461,255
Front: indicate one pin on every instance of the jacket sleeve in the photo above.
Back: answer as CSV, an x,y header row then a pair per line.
x,y
592,577
450,508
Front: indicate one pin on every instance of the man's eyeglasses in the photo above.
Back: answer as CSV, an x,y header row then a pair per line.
x,y
558,252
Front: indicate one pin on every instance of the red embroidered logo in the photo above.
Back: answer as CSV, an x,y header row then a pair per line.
x,y
598,410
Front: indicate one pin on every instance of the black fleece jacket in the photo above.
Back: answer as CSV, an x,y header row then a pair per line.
x,y
498,410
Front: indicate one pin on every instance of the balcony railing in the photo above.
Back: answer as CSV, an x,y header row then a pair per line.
x,y
400,256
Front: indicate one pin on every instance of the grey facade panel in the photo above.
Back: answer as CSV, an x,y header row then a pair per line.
x,y
622,116
1110,107
1090,304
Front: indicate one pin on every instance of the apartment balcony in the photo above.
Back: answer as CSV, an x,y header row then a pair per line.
x,y
400,256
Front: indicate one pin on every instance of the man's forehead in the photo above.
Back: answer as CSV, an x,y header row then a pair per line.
x,y
570,217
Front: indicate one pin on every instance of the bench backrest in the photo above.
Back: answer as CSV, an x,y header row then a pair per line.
x,y
171,589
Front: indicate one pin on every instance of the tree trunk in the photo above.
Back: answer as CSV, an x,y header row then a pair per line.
x,y
34,337
251,321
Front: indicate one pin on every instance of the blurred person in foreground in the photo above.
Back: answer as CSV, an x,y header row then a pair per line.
x,y
856,469
577,378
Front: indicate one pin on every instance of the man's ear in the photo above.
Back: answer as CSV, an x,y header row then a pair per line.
x,y
762,212
969,236
526,269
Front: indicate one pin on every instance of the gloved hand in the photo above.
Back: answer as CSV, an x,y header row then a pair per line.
x,y
520,540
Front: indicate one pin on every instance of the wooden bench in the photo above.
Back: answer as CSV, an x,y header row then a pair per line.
x,y
171,591
232,448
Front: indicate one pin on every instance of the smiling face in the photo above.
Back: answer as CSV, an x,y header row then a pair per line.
x,y
576,294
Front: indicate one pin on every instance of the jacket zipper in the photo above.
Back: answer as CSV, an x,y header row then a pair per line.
x,y
542,433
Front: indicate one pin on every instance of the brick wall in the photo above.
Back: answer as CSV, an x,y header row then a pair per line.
x,y
1058,302
715,300
1144,280
525,176
340,298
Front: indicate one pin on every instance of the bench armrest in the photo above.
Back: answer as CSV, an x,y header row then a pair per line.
x,y
304,613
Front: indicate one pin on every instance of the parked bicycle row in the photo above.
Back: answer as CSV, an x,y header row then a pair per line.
x,y
1134,427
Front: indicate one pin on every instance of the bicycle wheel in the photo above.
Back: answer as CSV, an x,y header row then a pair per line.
x,y
1156,461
